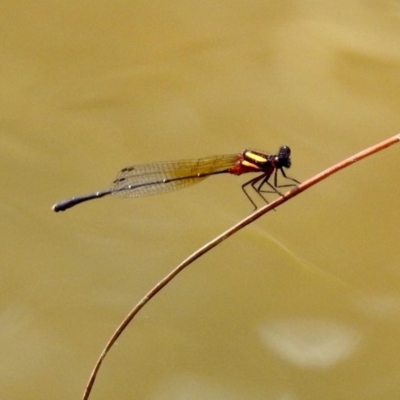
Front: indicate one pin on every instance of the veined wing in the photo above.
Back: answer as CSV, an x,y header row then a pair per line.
x,y
155,178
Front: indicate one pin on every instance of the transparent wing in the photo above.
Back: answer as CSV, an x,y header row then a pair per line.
x,y
155,178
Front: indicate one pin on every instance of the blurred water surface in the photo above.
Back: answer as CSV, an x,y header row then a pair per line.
x,y
303,304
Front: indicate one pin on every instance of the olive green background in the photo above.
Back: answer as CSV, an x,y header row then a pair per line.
x,y
303,304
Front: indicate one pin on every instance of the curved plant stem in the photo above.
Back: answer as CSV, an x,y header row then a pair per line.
x,y
246,221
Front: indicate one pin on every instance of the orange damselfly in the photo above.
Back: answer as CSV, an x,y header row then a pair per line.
x,y
161,177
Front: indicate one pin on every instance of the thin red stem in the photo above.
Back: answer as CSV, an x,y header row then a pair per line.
x,y
229,232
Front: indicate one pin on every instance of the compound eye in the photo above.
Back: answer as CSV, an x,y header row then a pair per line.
x,y
284,151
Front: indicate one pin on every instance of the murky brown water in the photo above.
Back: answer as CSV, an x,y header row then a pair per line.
x,y
304,304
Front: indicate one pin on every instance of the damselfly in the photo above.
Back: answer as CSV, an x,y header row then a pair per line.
x,y
160,177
